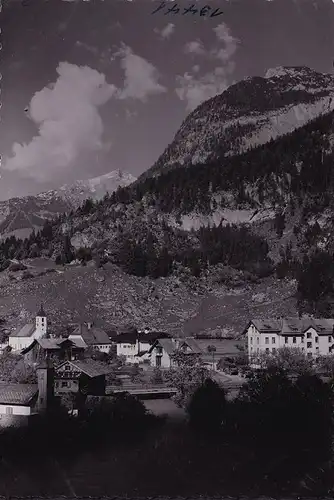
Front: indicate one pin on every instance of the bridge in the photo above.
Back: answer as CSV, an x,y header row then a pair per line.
x,y
152,392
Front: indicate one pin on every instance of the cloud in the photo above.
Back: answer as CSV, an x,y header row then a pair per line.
x,y
66,113
194,47
194,89
141,77
167,31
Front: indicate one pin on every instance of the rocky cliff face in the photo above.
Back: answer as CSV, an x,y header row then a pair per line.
x,y
249,113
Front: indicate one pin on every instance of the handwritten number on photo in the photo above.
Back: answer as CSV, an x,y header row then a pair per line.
x,y
188,10
174,9
162,5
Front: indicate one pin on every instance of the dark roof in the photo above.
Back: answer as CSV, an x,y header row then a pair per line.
x,y
41,311
92,335
293,326
24,331
17,394
89,367
132,337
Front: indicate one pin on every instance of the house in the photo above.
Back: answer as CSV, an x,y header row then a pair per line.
x,y
23,336
223,349
313,336
60,349
136,345
17,403
92,336
20,404
162,350
81,376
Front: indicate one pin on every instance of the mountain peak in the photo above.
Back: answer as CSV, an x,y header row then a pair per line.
x,y
249,113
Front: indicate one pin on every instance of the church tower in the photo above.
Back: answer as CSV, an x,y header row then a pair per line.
x,y
41,324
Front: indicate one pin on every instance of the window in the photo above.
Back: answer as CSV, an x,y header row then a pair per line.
x,y
64,384
294,340
309,335
274,350
67,367
286,340
41,400
329,338
273,340
309,345
267,340
309,355
9,410
316,340
257,340
317,349
267,350
302,340
251,340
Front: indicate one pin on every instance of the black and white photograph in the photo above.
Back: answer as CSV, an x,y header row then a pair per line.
x,y
167,249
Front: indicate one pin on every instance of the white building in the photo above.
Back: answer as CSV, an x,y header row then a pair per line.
x,y
25,335
136,345
313,336
161,352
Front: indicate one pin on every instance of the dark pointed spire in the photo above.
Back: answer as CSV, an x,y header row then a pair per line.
x,y
41,311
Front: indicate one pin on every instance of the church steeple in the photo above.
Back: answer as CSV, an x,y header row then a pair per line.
x,y
41,324
41,312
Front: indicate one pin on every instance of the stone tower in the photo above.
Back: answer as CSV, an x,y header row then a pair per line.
x,y
41,324
45,378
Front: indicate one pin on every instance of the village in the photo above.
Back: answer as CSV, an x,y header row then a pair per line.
x,y
83,362
87,362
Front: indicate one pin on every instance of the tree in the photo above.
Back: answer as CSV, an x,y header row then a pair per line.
x,y
207,407
287,359
187,374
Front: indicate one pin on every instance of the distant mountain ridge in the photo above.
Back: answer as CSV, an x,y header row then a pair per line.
x,y
19,216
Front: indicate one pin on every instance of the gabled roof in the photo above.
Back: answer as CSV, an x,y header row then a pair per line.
x,y
193,345
17,394
168,345
24,331
91,336
89,367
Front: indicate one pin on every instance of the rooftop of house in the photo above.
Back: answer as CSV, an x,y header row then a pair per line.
x,y
132,337
293,326
24,331
17,394
91,335
90,367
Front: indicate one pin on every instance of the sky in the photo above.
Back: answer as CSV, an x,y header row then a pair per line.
x,y
93,86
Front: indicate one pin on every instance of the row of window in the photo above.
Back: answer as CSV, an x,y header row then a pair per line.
x,y
286,339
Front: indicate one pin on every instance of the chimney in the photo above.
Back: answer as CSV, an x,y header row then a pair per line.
x,y
89,325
